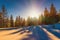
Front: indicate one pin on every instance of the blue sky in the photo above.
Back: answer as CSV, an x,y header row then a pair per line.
x,y
24,8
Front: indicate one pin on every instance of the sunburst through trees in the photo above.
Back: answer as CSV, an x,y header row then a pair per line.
x,y
49,17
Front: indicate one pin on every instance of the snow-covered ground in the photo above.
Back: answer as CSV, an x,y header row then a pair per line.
x,y
30,33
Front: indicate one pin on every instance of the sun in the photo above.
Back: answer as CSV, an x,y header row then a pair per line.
x,y
34,13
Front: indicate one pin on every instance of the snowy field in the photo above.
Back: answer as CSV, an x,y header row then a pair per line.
x,y
30,33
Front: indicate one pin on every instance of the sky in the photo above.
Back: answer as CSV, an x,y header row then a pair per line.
x,y
25,8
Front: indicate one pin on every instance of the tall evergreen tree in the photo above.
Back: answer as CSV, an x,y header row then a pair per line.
x,y
11,21
46,12
52,10
53,14
46,16
19,20
4,12
16,22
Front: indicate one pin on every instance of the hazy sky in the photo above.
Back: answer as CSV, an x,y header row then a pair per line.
x,y
26,8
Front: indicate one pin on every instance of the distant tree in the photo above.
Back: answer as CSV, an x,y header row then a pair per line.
x,y
41,19
29,21
11,21
26,23
34,21
23,22
7,22
17,22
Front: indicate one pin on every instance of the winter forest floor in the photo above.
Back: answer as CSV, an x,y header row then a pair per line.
x,y
29,33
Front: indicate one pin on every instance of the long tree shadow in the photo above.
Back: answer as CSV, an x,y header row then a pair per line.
x,y
4,29
37,34
18,31
53,32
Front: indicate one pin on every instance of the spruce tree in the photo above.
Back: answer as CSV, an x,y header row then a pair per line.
x,y
46,16
11,21
52,10
46,12
4,12
52,14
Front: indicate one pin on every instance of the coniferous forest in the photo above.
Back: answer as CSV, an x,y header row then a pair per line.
x,y
51,16
29,20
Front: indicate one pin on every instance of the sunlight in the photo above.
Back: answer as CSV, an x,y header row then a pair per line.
x,y
33,12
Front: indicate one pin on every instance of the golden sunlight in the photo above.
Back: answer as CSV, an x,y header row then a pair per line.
x,y
33,12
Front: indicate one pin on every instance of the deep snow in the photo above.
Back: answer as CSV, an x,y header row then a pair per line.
x,y
30,33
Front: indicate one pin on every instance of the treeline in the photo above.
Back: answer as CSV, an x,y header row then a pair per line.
x,y
49,17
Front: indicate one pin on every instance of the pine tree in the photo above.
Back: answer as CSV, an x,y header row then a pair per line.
x,y
4,12
23,22
46,16
46,12
19,21
16,22
41,19
53,16
52,10
29,21
7,22
11,21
